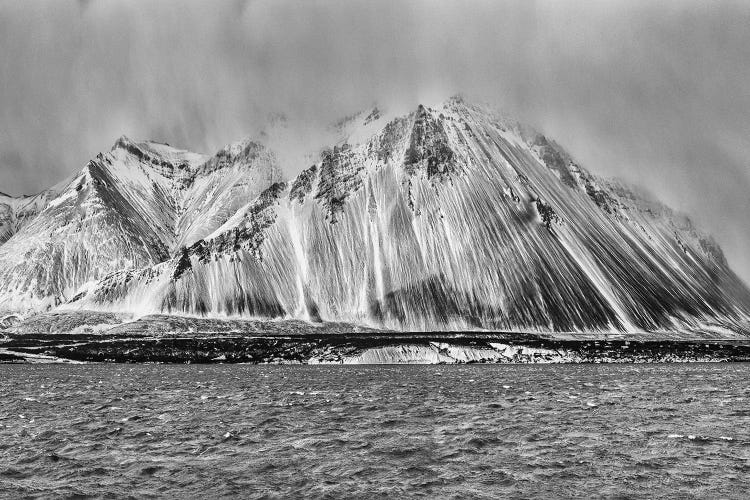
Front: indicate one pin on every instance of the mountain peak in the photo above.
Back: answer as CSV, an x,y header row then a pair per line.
x,y
240,147
159,155
124,142
243,152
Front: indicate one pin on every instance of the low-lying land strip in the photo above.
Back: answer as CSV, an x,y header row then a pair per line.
x,y
108,337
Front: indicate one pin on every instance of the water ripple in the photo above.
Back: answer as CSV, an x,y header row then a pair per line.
x,y
335,431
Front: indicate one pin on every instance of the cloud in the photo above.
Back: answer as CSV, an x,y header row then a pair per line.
x,y
653,92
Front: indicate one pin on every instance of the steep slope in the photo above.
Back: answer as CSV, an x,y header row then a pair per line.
x,y
445,219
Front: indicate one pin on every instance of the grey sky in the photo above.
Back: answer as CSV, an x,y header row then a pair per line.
x,y
654,92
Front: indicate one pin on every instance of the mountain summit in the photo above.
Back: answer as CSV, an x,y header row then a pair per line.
x,y
446,218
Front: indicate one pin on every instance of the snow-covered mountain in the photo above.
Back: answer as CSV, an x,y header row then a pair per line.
x,y
129,208
445,218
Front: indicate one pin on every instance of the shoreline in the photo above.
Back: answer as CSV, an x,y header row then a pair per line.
x,y
359,348
90,336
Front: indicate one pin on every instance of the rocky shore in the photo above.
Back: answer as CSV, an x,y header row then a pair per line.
x,y
106,337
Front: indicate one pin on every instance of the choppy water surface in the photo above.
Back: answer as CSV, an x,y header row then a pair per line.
x,y
526,431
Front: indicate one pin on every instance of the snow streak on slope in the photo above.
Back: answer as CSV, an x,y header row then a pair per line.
x,y
446,219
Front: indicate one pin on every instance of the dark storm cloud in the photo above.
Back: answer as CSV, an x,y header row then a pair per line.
x,y
653,92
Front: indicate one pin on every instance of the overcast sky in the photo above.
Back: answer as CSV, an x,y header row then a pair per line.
x,y
657,93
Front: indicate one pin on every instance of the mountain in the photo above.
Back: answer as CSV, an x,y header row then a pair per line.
x,y
446,218
129,208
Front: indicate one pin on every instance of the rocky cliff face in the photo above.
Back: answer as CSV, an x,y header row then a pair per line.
x,y
446,218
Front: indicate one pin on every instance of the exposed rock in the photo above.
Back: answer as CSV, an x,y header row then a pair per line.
x,y
547,214
303,184
428,148
339,177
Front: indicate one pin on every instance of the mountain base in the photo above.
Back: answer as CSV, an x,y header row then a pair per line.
x,y
86,336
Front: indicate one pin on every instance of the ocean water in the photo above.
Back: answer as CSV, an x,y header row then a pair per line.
x,y
572,431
